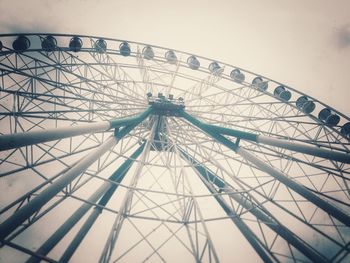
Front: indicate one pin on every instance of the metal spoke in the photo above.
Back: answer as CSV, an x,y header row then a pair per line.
x,y
165,156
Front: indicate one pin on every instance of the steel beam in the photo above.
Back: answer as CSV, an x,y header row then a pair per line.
x,y
261,250
298,188
106,190
278,175
10,141
39,258
125,205
118,177
282,143
40,200
257,211
303,148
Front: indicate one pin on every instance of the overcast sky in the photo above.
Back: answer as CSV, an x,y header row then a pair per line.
x,y
304,44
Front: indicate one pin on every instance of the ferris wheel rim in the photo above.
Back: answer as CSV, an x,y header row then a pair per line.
x,y
148,131
43,34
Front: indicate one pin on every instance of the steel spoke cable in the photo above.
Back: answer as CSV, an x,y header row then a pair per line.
x,y
34,137
342,157
244,146
270,199
25,212
265,220
65,86
126,205
300,189
64,70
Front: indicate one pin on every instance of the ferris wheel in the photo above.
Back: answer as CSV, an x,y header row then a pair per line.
x,y
118,151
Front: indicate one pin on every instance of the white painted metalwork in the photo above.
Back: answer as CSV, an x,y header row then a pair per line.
x,y
285,186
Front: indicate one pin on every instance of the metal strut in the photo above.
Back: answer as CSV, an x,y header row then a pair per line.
x,y
16,140
126,203
281,143
278,175
97,210
106,190
58,185
263,216
261,250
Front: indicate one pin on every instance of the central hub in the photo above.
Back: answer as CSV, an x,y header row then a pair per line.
x,y
167,106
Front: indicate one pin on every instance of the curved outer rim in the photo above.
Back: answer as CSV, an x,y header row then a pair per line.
x,y
109,50
209,60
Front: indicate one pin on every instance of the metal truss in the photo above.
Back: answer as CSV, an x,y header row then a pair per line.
x,y
115,151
